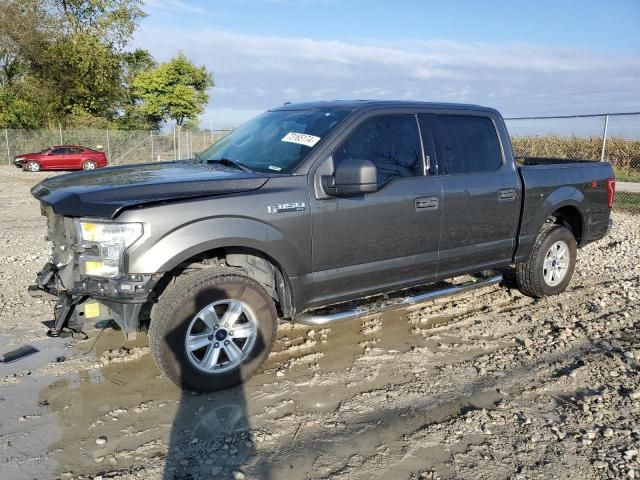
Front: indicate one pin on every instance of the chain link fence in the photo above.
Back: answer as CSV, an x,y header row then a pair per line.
x,y
612,137
120,146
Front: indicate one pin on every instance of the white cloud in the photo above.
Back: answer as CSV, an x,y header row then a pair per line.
x,y
255,72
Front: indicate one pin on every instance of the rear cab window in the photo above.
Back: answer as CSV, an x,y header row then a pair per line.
x,y
465,144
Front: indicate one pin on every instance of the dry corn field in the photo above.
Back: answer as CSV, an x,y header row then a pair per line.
x,y
624,154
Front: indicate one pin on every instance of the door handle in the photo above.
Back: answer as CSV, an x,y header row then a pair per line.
x,y
427,203
507,194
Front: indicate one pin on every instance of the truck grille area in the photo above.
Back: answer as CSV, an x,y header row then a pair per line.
x,y
62,236
61,233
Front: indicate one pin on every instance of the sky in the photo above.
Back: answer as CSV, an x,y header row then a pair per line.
x,y
539,57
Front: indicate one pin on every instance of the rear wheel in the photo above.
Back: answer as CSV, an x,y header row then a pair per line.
x,y
212,329
32,166
89,165
551,264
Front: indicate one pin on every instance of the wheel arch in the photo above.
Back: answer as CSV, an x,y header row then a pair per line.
x,y
257,247
563,206
255,263
570,217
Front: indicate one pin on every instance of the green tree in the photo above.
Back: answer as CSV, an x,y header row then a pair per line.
x,y
131,117
175,90
64,61
113,21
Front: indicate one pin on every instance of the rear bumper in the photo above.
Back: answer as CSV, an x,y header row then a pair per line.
x,y
94,299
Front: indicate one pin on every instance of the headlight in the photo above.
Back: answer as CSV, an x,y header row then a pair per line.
x,y
18,159
111,240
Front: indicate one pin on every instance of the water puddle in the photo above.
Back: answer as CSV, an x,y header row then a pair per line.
x,y
116,410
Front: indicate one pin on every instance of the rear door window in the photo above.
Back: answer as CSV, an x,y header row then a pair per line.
x,y
391,142
59,151
466,144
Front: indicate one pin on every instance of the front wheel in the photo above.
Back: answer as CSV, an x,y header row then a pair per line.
x,y
551,264
212,329
89,165
32,166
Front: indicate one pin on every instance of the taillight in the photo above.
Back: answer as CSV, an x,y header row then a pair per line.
x,y
611,191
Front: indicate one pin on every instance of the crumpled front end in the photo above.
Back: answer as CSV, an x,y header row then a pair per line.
x,y
81,297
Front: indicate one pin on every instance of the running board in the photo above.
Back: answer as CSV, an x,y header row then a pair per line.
x,y
319,319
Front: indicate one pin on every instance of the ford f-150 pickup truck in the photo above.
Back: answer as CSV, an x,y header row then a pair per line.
x,y
299,213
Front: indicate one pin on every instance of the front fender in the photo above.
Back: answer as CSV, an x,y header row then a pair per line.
x,y
194,238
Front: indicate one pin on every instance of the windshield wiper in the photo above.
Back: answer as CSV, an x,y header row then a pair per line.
x,y
231,163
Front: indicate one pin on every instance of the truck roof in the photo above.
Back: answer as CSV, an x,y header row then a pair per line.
x,y
354,105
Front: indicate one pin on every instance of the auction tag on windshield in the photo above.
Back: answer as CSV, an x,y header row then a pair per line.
x,y
301,138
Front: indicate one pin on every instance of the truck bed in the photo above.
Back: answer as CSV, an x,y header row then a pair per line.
x,y
580,184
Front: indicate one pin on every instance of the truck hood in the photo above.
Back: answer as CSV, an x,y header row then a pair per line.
x,y
105,192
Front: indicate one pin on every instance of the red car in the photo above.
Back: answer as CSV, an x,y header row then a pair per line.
x,y
62,157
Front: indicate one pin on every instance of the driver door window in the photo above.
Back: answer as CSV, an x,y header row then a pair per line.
x,y
391,142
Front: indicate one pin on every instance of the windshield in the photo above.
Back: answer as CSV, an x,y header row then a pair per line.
x,y
277,141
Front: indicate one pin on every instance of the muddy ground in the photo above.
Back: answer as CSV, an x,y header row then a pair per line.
x,y
489,384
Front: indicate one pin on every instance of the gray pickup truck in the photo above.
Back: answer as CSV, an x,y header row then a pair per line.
x,y
302,211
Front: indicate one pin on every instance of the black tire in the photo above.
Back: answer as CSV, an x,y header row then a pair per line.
x,y
89,165
179,305
32,166
530,273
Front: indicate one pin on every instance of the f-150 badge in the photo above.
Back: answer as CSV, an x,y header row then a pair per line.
x,y
286,207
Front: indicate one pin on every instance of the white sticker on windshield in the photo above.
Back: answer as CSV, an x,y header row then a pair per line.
x,y
301,138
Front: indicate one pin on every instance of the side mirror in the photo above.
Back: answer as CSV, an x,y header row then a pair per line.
x,y
352,176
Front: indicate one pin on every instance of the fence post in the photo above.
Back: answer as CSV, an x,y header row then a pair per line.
x,y
6,136
175,155
152,145
60,130
604,137
108,146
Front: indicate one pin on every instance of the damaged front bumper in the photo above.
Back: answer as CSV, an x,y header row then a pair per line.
x,y
121,300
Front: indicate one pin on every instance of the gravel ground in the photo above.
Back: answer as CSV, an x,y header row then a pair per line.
x,y
489,384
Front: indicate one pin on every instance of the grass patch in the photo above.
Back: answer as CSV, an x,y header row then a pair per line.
x,y
627,174
627,202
